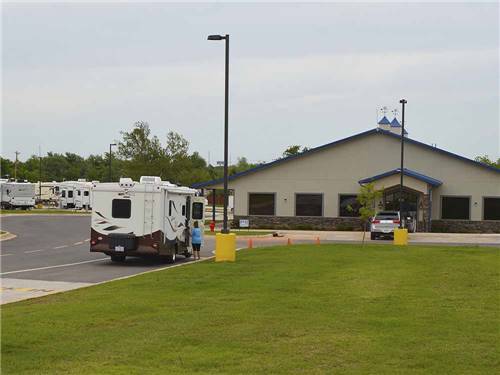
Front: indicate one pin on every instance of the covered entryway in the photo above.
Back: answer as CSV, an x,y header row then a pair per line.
x,y
416,199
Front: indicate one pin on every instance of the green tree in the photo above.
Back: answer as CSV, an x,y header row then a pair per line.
x,y
367,198
486,160
6,167
291,151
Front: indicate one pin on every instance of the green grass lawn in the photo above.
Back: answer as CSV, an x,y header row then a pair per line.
x,y
348,309
242,232
44,211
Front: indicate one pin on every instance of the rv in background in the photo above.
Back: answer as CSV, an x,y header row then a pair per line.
x,y
150,217
17,195
68,191
83,195
66,194
46,193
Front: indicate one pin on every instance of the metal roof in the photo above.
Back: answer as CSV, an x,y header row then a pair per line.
x,y
395,123
406,172
345,140
384,121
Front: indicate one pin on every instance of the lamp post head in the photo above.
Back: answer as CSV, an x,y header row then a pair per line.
x,y
112,144
403,101
216,37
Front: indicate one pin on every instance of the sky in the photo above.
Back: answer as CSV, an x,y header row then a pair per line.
x,y
75,75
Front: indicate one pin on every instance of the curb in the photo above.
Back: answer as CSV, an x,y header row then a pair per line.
x,y
7,236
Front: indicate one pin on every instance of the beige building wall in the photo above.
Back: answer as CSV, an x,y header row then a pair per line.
x,y
336,170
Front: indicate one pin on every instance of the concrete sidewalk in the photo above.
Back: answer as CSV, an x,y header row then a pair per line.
x,y
415,238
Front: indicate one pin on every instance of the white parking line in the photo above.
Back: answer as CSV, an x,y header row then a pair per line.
x,y
34,251
87,240
4,255
60,247
78,243
57,266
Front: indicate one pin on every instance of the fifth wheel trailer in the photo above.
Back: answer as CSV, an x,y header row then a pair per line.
x,y
146,218
17,195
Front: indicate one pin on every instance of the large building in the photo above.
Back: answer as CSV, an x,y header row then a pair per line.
x,y
317,189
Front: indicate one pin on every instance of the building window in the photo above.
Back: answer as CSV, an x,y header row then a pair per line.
x,y
261,203
455,208
348,205
491,208
308,204
121,208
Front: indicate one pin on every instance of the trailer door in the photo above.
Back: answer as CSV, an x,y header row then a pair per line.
x,y
198,212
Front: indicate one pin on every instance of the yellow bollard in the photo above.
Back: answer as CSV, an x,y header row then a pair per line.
x,y
401,237
250,243
289,242
317,241
225,247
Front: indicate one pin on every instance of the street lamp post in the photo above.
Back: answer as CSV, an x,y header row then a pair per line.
x,y
225,228
110,145
403,103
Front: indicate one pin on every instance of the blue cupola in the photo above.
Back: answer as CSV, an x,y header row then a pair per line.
x,y
395,123
384,121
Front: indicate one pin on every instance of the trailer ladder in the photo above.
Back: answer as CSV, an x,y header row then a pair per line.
x,y
148,209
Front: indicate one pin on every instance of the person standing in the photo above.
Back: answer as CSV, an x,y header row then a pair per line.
x,y
196,240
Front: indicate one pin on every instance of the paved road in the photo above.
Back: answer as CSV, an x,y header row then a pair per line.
x,y
56,248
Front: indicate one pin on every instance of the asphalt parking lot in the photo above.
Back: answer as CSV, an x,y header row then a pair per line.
x,y
51,253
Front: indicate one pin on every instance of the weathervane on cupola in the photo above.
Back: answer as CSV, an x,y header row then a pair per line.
x,y
384,122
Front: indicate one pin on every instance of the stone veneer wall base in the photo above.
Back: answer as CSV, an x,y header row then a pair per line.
x,y
355,224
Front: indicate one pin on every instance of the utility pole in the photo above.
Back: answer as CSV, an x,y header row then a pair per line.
x,y
40,172
15,166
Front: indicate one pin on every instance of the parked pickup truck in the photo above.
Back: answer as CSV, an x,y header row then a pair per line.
x,y
383,224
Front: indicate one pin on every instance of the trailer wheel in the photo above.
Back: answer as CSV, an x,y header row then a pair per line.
x,y
118,258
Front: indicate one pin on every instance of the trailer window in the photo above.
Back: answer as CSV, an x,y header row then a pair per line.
x,y
63,193
183,210
79,192
170,204
70,193
197,211
121,208
85,193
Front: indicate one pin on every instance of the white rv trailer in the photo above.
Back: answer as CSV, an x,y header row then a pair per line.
x,y
66,194
83,194
150,217
17,195
68,191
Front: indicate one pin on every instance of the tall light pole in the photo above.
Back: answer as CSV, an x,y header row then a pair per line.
x,y
110,145
225,228
403,103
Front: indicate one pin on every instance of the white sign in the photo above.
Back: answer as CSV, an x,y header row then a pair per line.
x,y
244,223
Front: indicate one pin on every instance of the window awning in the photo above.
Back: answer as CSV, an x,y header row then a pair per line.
x,y
407,172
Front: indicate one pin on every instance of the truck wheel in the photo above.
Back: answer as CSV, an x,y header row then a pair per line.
x,y
118,258
373,236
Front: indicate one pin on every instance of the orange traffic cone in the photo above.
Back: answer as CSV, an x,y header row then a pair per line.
x,y
250,243
317,241
289,242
